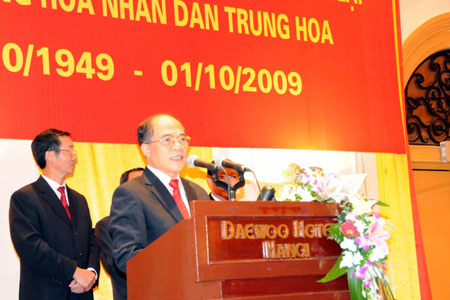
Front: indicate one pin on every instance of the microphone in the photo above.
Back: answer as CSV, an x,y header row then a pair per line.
x,y
267,193
226,163
193,161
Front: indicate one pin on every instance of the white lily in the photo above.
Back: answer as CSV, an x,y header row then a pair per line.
x,y
348,244
288,193
350,259
360,205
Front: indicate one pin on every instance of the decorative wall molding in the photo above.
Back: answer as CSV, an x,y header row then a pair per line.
x,y
429,38
427,98
427,107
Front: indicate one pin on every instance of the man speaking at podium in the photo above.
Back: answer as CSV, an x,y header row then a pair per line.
x,y
145,208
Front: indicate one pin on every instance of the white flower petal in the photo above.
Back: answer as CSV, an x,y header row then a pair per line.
x,y
348,244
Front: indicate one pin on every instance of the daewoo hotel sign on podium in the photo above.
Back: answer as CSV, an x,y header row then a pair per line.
x,y
268,233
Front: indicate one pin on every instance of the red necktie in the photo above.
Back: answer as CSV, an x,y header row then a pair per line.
x,y
64,201
178,200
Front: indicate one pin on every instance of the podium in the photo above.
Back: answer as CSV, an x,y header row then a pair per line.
x,y
242,250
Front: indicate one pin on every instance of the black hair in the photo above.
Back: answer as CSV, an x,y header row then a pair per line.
x,y
47,140
145,130
124,176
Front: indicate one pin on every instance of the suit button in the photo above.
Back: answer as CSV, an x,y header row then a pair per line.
x,y
76,233
81,254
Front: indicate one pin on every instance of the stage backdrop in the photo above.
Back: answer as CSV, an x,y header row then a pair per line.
x,y
321,75
265,74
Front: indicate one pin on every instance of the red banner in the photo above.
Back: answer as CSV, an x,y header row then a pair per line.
x,y
263,74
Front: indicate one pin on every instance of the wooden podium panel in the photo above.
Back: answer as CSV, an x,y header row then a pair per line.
x,y
241,250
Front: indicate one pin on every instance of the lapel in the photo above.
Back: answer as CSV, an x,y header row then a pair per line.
x,y
190,193
47,195
162,194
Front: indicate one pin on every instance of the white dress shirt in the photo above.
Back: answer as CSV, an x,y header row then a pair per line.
x,y
165,179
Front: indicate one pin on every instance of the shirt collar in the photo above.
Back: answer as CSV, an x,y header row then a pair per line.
x,y
53,184
163,177
216,198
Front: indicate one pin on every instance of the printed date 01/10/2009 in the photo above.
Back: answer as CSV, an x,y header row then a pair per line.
x,y
67,64
239,79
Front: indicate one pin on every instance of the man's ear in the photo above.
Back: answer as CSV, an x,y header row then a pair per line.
x,y
49,156
145,148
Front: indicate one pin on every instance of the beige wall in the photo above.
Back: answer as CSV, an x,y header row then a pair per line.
x,y
414,13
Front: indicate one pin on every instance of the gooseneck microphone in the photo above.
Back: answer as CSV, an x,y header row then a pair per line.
x,y
267,193
193,161
226,163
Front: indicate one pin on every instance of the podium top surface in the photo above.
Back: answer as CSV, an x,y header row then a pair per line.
x,y
263,208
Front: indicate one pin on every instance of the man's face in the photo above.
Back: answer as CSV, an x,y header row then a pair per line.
x,y
63,162
170,159
233,176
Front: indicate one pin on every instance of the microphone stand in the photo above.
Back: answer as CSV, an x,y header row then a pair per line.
x,y
226,186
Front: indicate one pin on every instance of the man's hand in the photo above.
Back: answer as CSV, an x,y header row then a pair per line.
x,y
85,278
76,288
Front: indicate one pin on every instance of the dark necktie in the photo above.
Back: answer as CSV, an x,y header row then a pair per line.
x,y
61,189
178,200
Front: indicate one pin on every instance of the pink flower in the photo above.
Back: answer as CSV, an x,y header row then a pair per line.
x,y
367,283
360,272
363,242
348,228
378,235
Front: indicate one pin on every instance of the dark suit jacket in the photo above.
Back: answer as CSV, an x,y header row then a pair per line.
x,y
50,247
118,278
141,211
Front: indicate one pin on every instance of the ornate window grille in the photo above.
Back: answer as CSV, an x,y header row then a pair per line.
x,y
427,97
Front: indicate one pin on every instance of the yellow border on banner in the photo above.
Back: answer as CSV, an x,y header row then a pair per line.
x,y
393,182
397,61
394,190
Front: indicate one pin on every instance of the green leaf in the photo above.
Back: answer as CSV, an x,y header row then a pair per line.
x,y
386,289
380,203
335,272
336,233
335,228
355,287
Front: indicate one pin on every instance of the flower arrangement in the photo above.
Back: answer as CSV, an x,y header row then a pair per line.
x,y
360,232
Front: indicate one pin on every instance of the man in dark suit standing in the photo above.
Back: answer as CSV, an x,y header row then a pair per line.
x,y
145,208
104,238
51,227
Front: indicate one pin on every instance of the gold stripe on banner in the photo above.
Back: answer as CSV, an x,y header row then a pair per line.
x,y
97,175
397,61
394,190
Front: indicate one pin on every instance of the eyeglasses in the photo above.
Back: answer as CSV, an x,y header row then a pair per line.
x,y
71,151
169,140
